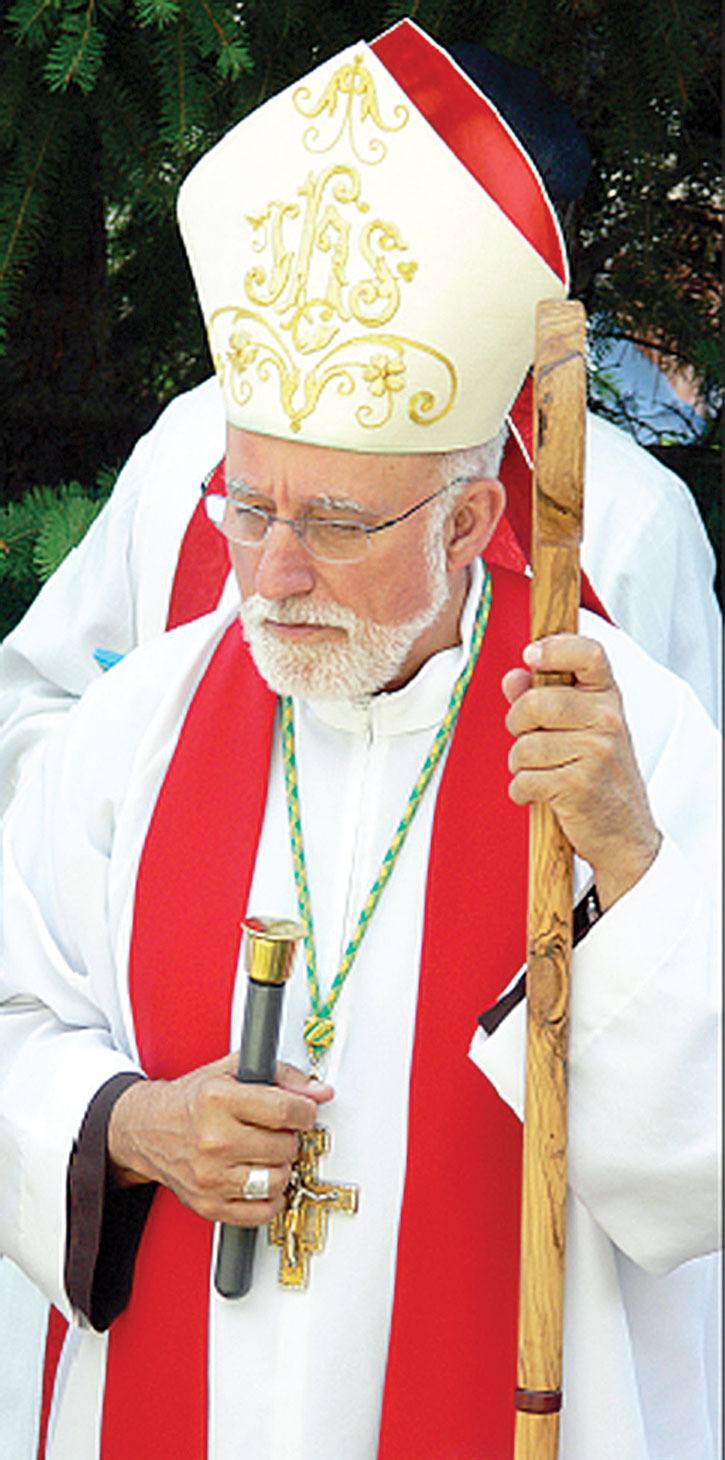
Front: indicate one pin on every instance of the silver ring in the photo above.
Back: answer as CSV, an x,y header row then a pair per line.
x,y
256,1186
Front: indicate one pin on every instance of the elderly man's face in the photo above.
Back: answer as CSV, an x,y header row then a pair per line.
x,y
331,629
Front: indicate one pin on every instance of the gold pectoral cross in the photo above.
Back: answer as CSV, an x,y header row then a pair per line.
x,y
301,1229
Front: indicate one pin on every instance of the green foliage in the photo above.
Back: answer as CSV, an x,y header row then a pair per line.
x,y
31,159
158,81
32,20
38,531
76,56
156,12
64,524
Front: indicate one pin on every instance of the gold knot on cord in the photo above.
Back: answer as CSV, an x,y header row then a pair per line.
x,y
319,1033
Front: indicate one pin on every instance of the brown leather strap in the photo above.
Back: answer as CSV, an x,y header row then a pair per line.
x,y
538,1401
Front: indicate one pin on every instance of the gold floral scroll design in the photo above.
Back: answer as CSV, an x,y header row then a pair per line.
x,y
351,83
249,353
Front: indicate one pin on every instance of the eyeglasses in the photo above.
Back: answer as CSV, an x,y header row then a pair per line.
x,y
332,539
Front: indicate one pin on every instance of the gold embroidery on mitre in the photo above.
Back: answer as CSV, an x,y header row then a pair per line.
x,y
351,81
306,280
378,364
324,266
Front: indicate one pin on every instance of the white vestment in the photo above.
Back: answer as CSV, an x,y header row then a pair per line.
x,y
642,1073
645,551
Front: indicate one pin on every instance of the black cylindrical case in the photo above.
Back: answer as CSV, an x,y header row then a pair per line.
x,y
257,1060
269,953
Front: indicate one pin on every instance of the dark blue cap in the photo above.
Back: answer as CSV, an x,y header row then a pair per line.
x,y
544,125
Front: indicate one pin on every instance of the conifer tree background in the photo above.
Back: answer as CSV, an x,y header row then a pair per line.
x,y
106,104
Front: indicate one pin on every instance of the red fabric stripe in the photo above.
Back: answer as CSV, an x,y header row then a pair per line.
x,y
191,894
452,1357
510,545
504,549
202,565
473,130
54,1340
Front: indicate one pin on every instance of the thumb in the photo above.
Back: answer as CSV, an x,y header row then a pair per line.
x,y
515,683
291,1078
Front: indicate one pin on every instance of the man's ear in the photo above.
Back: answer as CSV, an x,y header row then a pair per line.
x,y
473,521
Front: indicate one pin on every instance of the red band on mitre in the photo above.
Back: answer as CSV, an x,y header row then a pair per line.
x,y
476,133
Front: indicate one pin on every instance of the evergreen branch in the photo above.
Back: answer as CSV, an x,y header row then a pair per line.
x,y
441,14
38,531
77,54
156,12
10,539
16,234
74,68
181,73
23,20
90,12
63,527
234,56
215,23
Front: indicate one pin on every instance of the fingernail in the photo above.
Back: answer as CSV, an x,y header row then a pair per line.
x,y
532,655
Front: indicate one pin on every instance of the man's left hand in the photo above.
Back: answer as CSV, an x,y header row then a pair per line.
x,y
573,750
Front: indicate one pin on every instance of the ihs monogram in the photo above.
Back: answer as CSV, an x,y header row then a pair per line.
x,y
307,282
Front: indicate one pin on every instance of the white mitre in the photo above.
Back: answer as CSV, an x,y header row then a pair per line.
x,y
369,247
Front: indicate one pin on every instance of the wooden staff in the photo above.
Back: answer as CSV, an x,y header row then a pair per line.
x,y
559,418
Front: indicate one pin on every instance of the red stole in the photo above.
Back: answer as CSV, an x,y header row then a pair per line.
x,y
451,1365
191,893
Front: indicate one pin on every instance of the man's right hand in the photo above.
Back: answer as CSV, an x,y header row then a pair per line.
x,y
200,1134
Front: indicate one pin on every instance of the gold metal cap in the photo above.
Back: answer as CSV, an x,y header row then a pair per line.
x,y
270,948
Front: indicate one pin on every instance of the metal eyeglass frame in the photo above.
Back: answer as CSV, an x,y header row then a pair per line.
x,y
300,524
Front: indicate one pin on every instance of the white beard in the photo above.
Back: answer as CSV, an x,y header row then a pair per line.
x,y
352,668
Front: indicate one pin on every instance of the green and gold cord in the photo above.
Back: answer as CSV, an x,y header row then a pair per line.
x,y
319,1029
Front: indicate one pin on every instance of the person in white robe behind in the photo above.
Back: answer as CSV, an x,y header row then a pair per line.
x,y
641,878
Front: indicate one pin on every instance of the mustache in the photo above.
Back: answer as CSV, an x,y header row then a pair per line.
x,y
295,610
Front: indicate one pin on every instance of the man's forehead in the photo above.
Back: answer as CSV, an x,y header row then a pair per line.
x,y
359,479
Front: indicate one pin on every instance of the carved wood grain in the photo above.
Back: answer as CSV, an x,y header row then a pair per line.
x,y
559,420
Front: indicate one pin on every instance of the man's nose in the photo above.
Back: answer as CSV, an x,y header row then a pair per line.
x,y
284,566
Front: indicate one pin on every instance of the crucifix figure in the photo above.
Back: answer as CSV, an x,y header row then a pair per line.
x,y
301,1229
